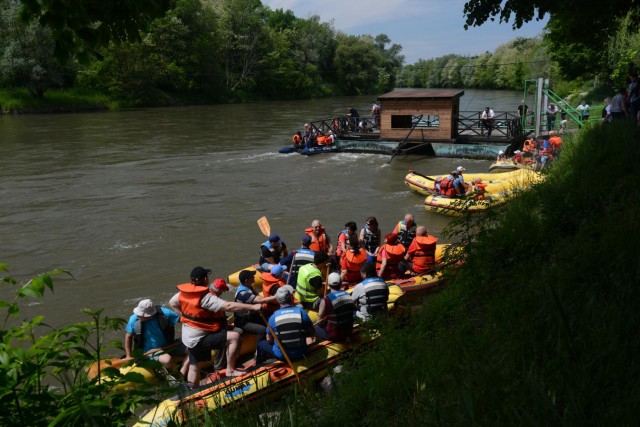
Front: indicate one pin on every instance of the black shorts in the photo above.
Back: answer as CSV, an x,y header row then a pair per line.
x,y
202,351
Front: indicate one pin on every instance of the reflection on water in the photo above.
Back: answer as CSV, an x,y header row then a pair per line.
x,y
131,201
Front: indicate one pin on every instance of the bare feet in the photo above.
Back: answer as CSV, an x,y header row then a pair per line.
x,y
235,373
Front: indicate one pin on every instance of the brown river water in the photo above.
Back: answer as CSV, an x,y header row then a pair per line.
x,y
130,201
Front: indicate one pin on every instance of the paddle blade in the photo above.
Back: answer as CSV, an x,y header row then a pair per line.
x,y
263,223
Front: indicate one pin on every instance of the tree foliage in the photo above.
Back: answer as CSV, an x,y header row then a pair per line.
x,y
83,26
27,54
578,33
44,382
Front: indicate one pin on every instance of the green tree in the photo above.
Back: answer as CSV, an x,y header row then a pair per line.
x,y
244,42
357,61
83,26
27,59
569,45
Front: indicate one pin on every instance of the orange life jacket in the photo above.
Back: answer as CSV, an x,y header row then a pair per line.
x,y
352,262
270,284
528,146
318,244
556,141
394,254
196,316
325,140
423,253
297,139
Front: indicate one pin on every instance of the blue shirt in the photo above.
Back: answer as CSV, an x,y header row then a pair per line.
x,y
294,353
152,336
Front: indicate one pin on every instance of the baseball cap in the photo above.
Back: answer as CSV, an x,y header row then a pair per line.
x,y
274,238
334,279
278,269
284,295
220,285
306,240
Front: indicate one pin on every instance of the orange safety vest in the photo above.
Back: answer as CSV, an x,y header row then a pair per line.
x,y
556,141
423,253
528,146
318,244
325,140
352,262
270,285
394,254
196,316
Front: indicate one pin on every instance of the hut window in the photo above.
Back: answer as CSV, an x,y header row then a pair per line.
x,y
419,121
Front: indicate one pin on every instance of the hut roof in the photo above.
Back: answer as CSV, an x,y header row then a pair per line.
x,y
422,94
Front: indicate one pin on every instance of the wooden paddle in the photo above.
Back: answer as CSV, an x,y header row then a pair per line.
x,y
96,367
279,344
263,223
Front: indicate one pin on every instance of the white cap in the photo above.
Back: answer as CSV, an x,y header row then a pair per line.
x,y
334,279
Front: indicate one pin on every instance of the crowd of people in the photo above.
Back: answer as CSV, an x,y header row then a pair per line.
x,y
314,276
536,152
454,185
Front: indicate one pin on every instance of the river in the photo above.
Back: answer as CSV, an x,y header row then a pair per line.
x,y
130,201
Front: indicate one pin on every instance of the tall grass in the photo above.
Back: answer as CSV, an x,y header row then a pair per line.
x,y
55,100
540,326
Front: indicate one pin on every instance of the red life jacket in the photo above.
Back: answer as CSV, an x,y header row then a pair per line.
x,y
423,253
318,244
196,316
446,187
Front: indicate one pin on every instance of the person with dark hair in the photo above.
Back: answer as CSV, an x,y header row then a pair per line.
x,y
351,260
204,322
371,238
486,120
271,252
354,118
371,295
350,229
297,258
310,281
250,322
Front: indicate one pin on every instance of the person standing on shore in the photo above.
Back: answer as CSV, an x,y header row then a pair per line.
x,y
552,110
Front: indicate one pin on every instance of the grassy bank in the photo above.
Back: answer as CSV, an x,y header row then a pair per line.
x,y
540,327
20,101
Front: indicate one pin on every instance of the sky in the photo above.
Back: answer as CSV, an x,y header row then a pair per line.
x,y
424,28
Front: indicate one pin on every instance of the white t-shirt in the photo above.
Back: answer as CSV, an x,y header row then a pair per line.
x,y
192,336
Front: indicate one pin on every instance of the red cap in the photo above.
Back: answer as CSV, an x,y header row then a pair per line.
x,y
220,285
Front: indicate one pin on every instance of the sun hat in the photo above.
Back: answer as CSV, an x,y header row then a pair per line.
x,y
145,308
